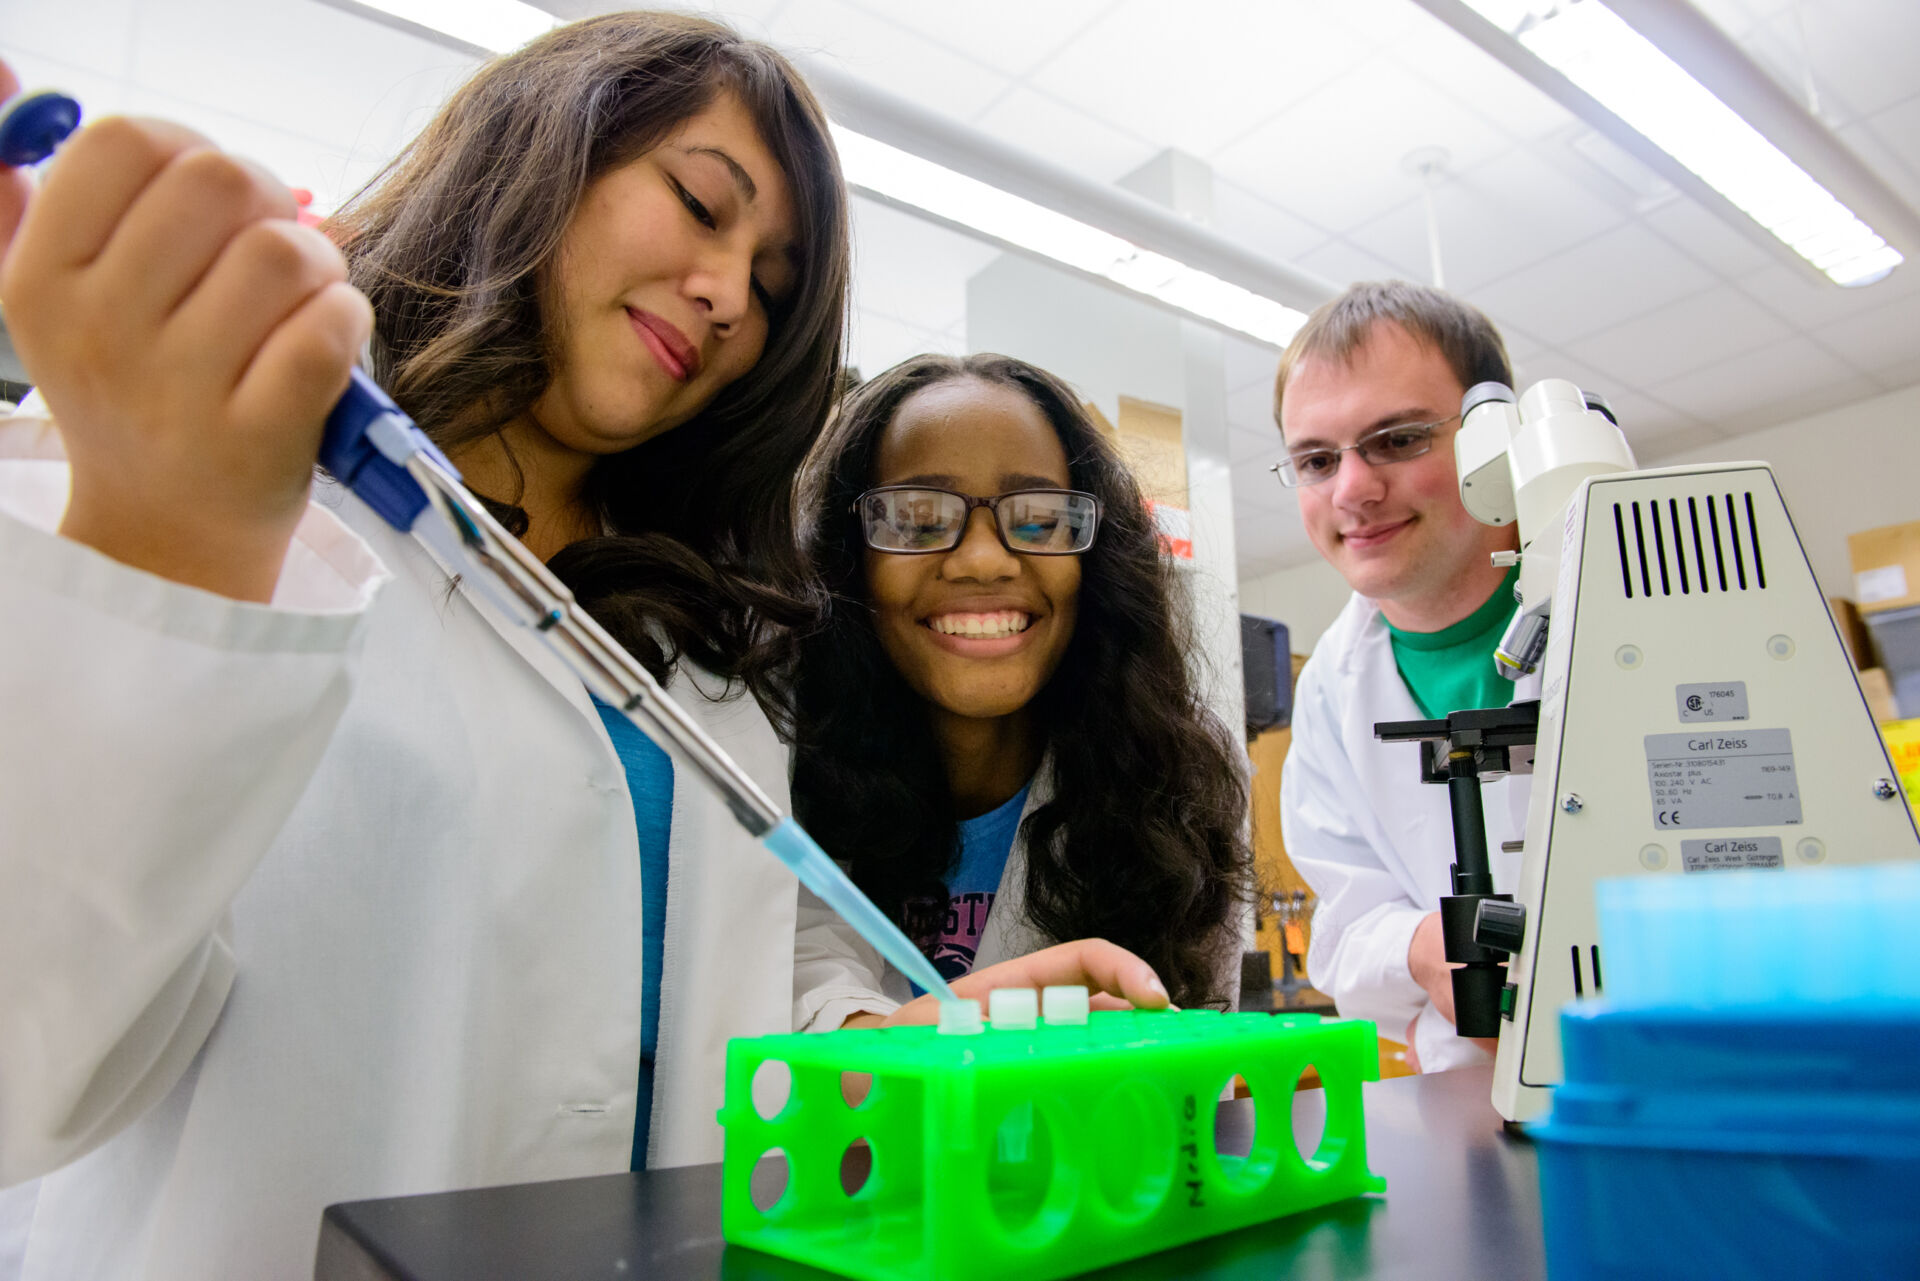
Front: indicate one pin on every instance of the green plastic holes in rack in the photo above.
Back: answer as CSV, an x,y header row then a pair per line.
x,y
1043,1152
1135,1150
1030,1191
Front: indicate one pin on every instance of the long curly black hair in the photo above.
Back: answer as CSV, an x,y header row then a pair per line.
x,y
1143,840
450,242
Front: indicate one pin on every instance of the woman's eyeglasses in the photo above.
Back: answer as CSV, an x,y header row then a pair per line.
x,y
1377,448
913,520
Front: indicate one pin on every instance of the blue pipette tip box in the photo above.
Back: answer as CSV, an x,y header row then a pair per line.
x,y
1743,1102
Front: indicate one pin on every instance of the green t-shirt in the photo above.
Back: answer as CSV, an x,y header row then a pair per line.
x,y
1452,668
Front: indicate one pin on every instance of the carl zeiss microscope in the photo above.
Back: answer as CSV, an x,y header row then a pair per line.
x,y
1697,710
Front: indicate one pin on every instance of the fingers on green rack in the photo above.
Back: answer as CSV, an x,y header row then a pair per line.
x,y
1031,1152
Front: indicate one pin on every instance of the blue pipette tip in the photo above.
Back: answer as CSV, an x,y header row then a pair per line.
x,y
33,125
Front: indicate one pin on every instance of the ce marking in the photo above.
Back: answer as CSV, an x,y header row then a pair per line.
x,y
1667,818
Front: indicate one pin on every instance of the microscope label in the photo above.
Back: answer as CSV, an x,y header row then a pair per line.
x,y
1722,778
1729,852
1726,701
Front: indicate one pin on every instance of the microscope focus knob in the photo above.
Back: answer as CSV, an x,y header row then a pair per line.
x,y
1499,925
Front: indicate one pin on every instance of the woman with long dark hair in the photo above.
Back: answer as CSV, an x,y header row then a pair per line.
x,y
319,881
996,724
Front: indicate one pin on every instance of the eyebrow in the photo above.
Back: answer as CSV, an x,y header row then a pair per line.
x,y
741,178
1400,419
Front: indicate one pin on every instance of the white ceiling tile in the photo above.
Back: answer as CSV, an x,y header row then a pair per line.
x,y
1386,24
887,55
1862,51
1879,339
1699,330
1901,373
1494,218
1249,362
1259,224
1805,301
1438,54
911,269
1011,36
1344,263
95,34
1595,285
1739,394
1519,343
356,86
1166,74
1890,143
1717,245
1335,157
99,90
1065,135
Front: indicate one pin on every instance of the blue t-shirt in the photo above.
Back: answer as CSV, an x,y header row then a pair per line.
x,y
650,783
985,843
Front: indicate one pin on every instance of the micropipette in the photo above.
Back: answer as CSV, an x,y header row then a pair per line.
x,y
374,449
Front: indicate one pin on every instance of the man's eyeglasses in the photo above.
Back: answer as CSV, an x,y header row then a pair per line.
x,y
1377,448
913,520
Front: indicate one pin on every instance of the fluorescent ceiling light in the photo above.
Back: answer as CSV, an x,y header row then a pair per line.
x,y
901,178
497,25
1629,75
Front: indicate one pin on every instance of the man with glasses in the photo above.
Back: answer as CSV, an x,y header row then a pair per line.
x,y
1368,401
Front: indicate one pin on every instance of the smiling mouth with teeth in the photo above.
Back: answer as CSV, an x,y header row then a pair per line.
x,y
998,624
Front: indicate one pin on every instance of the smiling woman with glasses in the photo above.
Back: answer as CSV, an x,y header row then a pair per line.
x,y
1039,522
997,728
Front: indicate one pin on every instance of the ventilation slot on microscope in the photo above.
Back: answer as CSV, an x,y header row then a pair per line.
x,y
1708,543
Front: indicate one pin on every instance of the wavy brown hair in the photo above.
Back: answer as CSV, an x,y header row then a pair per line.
x,y
451,243
1142,841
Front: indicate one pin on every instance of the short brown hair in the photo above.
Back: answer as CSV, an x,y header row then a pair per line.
x,y
1460,332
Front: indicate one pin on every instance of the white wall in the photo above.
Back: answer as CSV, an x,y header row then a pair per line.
x,y
1842,471
1306,598
1848,469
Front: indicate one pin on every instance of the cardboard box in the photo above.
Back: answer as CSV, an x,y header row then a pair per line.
x,y
1879,691
1150,438
1886,566
1854,634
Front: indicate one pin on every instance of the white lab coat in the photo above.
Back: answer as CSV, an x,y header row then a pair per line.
x,y
1374,842
337,899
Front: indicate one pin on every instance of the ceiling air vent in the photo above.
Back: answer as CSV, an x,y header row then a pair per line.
x,y
1710,544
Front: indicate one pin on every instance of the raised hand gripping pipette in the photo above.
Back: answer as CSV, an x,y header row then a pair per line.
x,y
374,449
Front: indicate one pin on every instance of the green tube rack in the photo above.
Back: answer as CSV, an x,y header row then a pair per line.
x,y
1025,1155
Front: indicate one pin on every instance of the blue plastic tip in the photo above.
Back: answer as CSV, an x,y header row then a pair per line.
x,y
31,127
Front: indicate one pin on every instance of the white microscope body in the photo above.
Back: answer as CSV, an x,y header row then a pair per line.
x,y
1697,708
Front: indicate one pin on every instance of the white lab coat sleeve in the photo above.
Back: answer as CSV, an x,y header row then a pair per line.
x,y
1364,920
836,973
155,737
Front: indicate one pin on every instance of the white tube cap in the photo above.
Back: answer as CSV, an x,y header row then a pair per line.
x,y
960,1018
1013,1009
1064,1004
